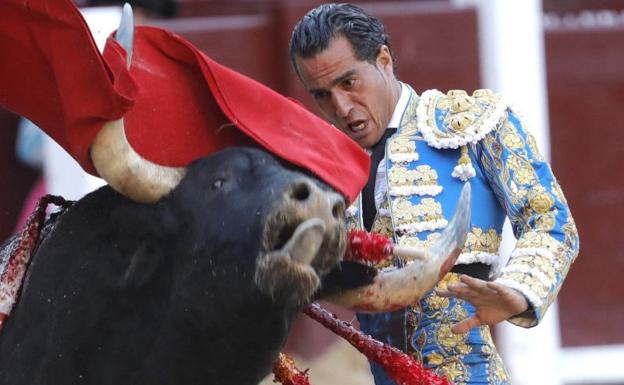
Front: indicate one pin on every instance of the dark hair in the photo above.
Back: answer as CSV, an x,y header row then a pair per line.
x,y
315,30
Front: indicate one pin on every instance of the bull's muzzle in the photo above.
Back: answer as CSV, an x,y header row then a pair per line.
x,y
305,237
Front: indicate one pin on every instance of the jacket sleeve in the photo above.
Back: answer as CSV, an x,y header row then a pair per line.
x,y
547,239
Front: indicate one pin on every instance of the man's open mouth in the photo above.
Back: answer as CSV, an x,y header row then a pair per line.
x,y
357,125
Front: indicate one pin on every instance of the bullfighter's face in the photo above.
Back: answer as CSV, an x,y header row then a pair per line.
x,y
356,96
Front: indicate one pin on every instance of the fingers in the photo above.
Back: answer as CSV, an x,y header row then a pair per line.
x,y
465,325
497,287
514,301
443,293
475,283
468,289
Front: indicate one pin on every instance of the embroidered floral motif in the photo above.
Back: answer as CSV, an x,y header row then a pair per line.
x,y
435,302
512,140
455,370
455,119
541,240
382,225
435,359
540,200
465,358
540,266
478,240
523,173
411,218
415,242
451,341
527,283
402,149
421,181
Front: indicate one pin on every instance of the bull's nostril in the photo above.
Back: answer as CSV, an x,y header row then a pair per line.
x,y
300,192
338,209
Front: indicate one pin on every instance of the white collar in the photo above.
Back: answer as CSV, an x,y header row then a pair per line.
x,y
395,120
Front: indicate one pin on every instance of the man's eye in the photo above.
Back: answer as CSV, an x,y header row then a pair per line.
x,y
319,95
349,83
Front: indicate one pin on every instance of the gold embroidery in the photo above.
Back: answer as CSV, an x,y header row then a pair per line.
x,y
423,175
540,200
487,242
546,222
418,243
512,140
436,302
497,373
464,158
462,120
450,354
449,279
462,103
455,370
435,359
451,341
543,240
534,149
536,263
535,241
451,94
401,145
382,225
483,93
406,212
523,172
527,280
571,234
430,209
399,176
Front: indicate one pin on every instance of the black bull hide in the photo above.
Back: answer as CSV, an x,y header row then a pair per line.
x,y
199,288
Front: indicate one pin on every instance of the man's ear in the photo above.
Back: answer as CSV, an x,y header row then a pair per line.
x,y
384,58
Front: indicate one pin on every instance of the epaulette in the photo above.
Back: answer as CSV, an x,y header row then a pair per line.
x,y
455,119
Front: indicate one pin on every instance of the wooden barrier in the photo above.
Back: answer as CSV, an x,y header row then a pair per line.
x,y
586,93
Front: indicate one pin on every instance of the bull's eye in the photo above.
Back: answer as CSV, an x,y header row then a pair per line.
x,y
218,183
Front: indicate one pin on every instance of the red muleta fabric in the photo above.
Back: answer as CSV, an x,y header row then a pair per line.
x,y
177,103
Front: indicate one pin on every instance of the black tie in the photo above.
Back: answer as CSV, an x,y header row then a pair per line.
x,y
368,193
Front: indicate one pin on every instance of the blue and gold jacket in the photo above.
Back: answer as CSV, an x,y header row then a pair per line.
x,y
444,140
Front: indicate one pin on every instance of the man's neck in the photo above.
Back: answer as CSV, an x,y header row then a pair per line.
x,y
399,106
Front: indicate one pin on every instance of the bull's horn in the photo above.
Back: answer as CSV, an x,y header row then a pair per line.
x,y
125,32
398,288
113,157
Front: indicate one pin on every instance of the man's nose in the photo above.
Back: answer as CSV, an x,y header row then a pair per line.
x,y
342,104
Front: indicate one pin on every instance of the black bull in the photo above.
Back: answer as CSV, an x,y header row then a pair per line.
x,y
199,288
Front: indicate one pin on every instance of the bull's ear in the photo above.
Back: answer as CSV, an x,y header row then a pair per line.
x,y
142,266
346,276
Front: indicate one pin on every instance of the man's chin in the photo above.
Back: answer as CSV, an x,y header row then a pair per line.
x,y
367,141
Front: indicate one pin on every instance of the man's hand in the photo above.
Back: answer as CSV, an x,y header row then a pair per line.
x,y
493,302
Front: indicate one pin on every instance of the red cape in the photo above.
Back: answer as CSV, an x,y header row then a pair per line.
x,y
177,103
